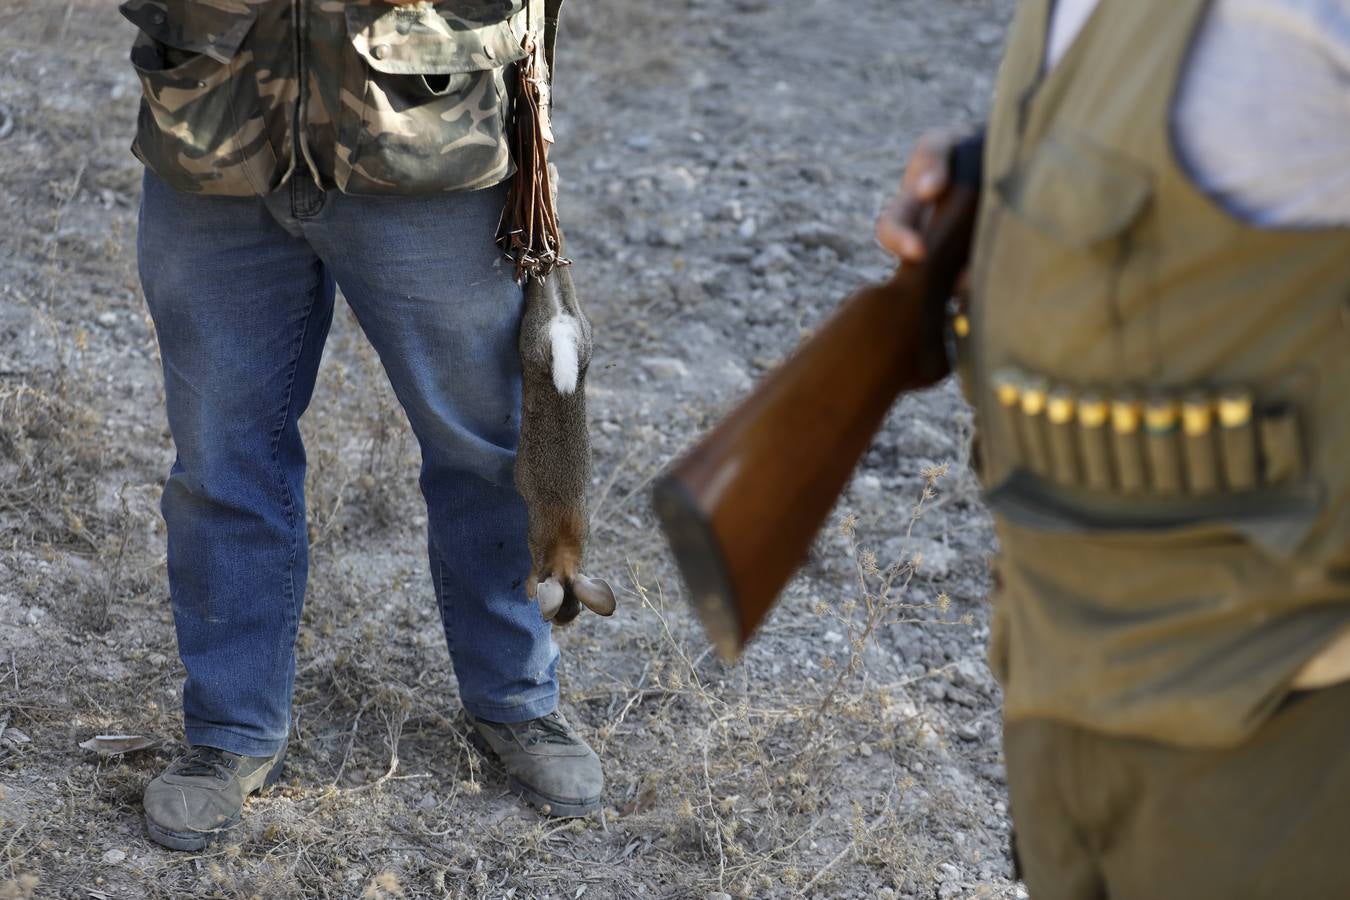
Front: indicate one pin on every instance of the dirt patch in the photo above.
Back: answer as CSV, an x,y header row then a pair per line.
x,y
721,165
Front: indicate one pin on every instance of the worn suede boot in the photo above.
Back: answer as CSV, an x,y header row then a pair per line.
x,y
546,763
201,794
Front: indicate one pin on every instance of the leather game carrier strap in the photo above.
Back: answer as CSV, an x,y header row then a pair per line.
x,y
529,233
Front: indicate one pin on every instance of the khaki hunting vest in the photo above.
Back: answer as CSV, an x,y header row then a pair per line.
x,y
1163,396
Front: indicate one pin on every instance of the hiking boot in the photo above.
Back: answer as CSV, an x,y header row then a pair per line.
x,y
201,793
546,763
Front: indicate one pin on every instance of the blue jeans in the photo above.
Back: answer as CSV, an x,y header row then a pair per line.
x,y
241,292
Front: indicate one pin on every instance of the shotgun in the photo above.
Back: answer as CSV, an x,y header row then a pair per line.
x,y
741,508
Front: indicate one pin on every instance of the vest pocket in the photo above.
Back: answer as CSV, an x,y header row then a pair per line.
x,y
1075,193
1063,253
425,103
187,57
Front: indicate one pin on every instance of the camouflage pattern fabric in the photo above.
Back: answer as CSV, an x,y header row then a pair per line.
x,y
368,97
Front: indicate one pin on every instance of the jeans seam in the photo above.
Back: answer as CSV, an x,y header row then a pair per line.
x,y
287,495
441,599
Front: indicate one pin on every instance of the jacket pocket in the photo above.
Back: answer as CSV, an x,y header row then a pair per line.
x,y
426,102
200,125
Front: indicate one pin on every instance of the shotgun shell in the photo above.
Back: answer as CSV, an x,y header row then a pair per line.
x,y
1032,425
1237,440
1093,441
1060,407
1197,443
1129,455
1281,446
1161,417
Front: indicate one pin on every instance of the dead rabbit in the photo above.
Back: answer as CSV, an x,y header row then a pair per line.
x,y
553,464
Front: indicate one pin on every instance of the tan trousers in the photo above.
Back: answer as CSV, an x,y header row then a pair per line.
x,y
1097,817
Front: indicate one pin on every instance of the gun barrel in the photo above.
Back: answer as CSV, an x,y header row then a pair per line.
x,y
742,507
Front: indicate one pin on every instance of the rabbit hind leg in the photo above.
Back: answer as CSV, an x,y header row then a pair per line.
x,y
564,562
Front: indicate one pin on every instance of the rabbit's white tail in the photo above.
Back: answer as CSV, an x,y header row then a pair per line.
x,y
565,341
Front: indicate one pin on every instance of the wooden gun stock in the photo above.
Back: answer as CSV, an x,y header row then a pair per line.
x,y
741,508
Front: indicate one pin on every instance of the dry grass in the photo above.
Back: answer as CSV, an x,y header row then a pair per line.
x,y
723,780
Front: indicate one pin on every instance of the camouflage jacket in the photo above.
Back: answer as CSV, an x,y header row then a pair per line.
x,y
368,97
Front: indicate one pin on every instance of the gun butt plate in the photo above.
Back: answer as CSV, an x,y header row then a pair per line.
x,y
699,556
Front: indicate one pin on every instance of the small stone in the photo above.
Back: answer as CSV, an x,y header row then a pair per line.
x,y
669,236
747,228
771,259
718,895
902,709
665,368
962,696
868,485
814,234
636,231
970,673
833,637
988,35
639,142
865,749
935,558
113,857
968,733
927,738
678,180
107,319
157,659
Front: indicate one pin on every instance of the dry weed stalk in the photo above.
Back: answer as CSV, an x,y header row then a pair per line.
x,y
884,595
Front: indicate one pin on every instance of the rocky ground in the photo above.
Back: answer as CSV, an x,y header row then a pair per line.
x,y
722,163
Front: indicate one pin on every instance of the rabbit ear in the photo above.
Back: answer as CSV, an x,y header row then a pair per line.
x,y
595,593
550,598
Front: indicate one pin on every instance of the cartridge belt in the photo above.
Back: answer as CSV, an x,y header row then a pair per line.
x,y
1196,441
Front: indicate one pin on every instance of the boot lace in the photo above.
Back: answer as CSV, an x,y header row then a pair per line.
x,y
205,761
550,730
